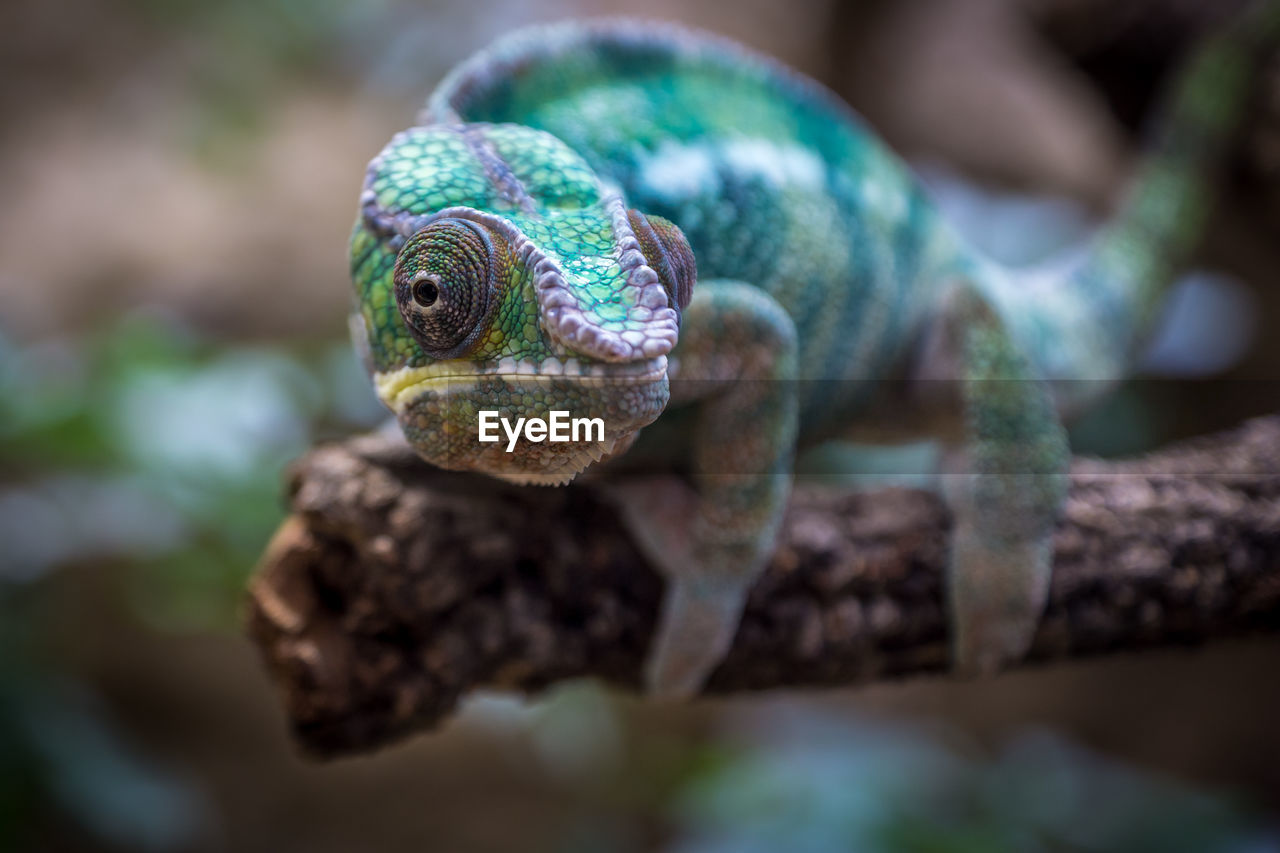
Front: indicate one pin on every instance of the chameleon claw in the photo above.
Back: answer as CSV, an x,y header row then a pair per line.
x,y
695,631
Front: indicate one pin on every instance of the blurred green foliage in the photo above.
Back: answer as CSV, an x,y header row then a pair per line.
x,y
233,61
820,785
150,449
148,444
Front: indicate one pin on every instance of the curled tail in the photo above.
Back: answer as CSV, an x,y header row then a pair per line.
x,y
1160,222
1083,324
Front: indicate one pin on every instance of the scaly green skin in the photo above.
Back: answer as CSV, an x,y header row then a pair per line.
x,y
822,272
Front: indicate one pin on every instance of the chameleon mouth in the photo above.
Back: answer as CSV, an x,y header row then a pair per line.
x,y
399,388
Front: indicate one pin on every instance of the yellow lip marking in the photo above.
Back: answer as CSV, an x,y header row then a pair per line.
x,y
397,388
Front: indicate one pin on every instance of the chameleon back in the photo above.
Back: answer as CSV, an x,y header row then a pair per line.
x,y
777,183
774,181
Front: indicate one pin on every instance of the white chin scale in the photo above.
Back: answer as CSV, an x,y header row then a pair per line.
x,y
573,461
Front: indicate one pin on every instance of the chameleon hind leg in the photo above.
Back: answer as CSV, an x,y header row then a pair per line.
x,y
737,371
1004,479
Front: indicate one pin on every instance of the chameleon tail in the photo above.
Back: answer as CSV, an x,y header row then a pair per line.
x,y
1007,333
1159,224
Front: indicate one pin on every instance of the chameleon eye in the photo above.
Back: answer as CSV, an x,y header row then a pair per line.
x,y
445,278
426,291
667,251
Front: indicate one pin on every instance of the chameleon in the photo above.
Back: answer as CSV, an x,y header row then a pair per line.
x,y
713,255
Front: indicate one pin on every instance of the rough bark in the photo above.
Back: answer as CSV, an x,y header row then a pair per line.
x,y
394,589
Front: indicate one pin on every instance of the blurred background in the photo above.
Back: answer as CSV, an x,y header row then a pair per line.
x,y
177,182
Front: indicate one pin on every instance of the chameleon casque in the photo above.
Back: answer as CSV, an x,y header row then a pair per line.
x,y
633,221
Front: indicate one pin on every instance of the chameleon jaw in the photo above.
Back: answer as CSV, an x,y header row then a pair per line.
x,y
445,411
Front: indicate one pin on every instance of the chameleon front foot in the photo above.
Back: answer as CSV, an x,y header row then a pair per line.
x,y
710,537
703,601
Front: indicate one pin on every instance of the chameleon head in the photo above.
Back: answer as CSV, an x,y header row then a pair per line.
x,y
485,318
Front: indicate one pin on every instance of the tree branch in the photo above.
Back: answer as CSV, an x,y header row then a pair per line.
x,y
394,589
